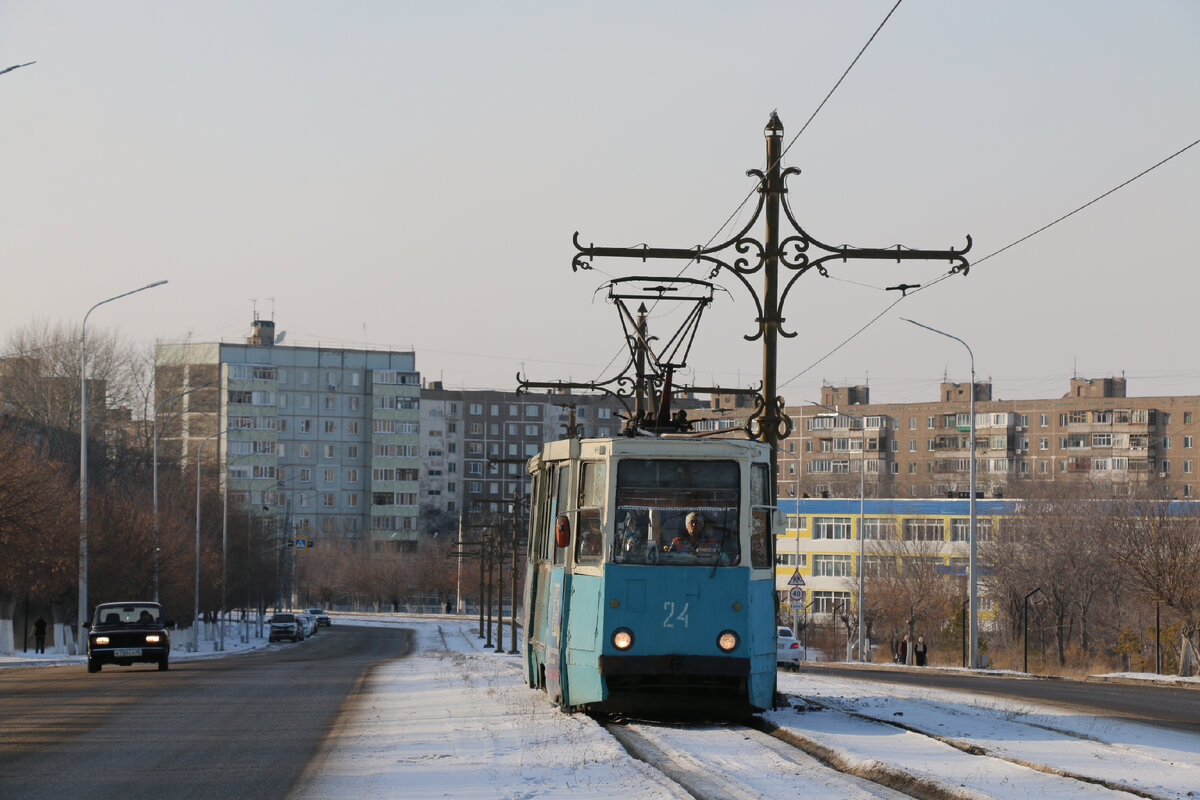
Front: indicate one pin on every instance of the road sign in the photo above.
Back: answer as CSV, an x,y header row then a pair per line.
x,y
301,544
796,595
796,580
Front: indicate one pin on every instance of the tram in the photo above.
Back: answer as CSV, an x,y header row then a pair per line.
x,y
628,609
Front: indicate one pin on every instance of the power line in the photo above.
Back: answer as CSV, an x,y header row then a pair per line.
x,y
1025,238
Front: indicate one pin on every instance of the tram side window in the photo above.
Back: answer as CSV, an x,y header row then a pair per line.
x,y
761,538
562,502
589,536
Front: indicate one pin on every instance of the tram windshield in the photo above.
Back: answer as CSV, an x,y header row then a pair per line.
x,y
677,512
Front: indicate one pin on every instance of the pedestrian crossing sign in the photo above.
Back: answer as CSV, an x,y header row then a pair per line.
x,y
301,544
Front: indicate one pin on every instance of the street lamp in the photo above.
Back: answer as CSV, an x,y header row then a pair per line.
x,y
164,401
974,579
83,461
862,539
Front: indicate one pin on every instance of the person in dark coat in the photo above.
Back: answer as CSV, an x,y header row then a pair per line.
x,y
919,650
902,652
39,636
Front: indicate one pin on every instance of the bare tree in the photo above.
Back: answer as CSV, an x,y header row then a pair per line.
x,y
906,589
1058,543
1157,544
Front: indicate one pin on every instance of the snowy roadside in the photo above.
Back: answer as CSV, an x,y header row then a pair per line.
x,y
456,720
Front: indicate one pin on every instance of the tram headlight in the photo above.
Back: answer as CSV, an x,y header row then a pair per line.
x,y
727,641
622,638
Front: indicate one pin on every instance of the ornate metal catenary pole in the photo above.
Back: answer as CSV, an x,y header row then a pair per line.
x,y
742,256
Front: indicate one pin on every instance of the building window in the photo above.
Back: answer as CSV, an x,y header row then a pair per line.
x,y
924,529
331,426
328,450
532,411
832,566
351,476
305,426
305,451
1044,443
1045,420
831,528
352,403
1166,443
1187,443
352,451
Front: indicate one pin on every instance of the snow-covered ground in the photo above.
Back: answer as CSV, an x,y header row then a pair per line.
x,y
456,720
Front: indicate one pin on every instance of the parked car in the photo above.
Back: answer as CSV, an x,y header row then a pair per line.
x,y
309,622
787,649
285,625
128,633
322,616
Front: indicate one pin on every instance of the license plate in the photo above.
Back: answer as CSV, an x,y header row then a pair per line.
x,y
127,653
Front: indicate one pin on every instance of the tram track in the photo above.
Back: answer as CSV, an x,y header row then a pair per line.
x,y
767,759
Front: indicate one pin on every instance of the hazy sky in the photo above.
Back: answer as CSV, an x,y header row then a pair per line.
x,y
410,174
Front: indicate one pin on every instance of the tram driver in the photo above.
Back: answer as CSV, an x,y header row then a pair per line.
x,y
696,538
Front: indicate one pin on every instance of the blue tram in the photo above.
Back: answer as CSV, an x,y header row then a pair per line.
x,y
628,608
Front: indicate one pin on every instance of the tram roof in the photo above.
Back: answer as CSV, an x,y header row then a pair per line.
x,y
666,446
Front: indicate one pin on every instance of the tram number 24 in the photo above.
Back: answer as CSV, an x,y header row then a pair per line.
x,y
673,618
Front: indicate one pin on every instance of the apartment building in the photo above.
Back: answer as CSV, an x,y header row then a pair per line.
x,y
1094,434
323,439
474,442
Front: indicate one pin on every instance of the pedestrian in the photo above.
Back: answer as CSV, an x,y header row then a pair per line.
x,y
902,651
39,636
919,651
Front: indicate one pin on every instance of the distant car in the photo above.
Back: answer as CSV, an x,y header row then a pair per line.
x,y
285,625
128,633
322,616
309,622
787,649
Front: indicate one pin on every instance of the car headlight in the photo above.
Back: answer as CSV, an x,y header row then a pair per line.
x,y
622,638
101,640
153,638
727,641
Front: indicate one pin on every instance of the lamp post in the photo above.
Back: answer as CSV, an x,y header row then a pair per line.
x,y
83,460
862,501
161,403
974,579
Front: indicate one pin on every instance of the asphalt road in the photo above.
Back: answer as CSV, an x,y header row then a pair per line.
x,y
240,727
1159,705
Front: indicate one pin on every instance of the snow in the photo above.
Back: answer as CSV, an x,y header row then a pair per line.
x,y
456,720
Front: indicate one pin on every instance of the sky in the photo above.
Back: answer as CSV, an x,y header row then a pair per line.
x,y
409,175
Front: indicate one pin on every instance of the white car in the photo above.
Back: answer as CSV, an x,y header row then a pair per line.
x,y
787,649
309,622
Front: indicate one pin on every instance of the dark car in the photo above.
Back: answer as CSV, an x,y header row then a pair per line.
x,y
321,615
128,633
